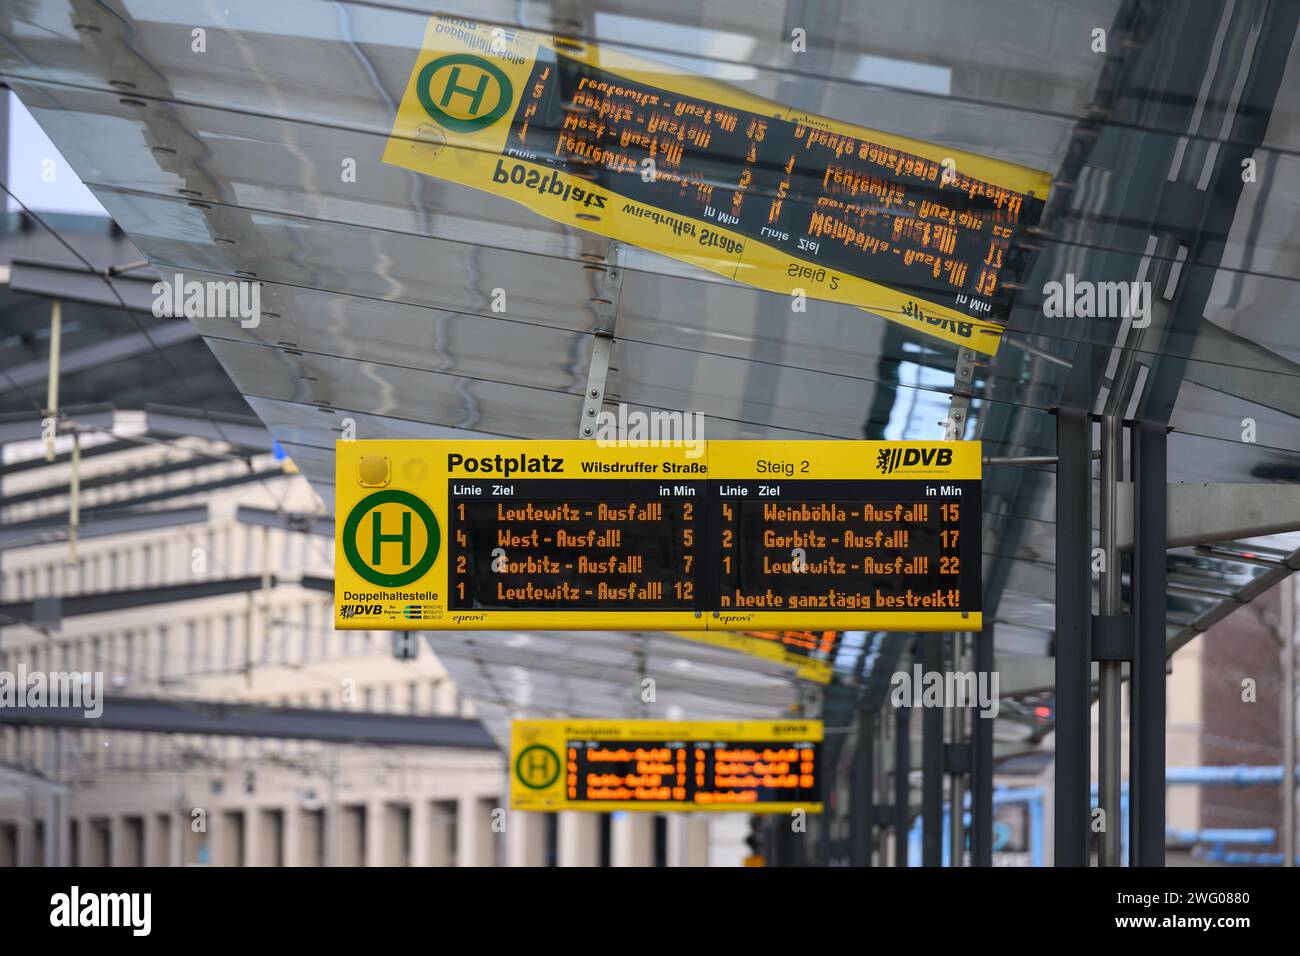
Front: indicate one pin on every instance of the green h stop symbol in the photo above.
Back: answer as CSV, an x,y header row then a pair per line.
x,y
390,538
465,82
537,767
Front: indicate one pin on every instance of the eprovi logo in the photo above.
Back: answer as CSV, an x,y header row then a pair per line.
x,y
464,92
384,549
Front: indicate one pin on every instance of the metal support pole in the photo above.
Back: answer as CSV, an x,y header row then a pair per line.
x,y
331,814
862,808
879,835
52,384
1288,844
931,759
74,500
797,841
1110,602
826,820
1073,654
54,835
1147,684
785,850
956,780
981,795
902,794
776,854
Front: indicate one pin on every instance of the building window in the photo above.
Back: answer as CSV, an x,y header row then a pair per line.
x,y
228,651
285,626
163,635
205,645
304,654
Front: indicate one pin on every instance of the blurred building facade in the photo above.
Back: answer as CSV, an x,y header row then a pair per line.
x,y
170,511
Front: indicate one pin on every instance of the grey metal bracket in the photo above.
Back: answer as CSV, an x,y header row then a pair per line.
x,y
605,272
954,426
594,397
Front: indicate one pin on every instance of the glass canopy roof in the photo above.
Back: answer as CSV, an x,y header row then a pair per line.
x,y
376,296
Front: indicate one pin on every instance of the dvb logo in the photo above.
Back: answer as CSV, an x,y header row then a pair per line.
x,y
890,460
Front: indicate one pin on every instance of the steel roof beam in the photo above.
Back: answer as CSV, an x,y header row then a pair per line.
x,y
247,434
288,521
1206,514
26,426
79,284
152,715
48,611
216,485
55,528
1228,363
118,349
100,481
63,458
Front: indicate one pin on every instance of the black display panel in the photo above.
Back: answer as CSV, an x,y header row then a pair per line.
x,y
823,545
711,773
810,545
554,545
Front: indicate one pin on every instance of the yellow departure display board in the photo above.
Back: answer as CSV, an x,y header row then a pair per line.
x,y
490,535
697,170
655,765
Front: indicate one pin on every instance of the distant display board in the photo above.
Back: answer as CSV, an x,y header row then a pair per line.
x,y
493,535
810,653
604,765
696,170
